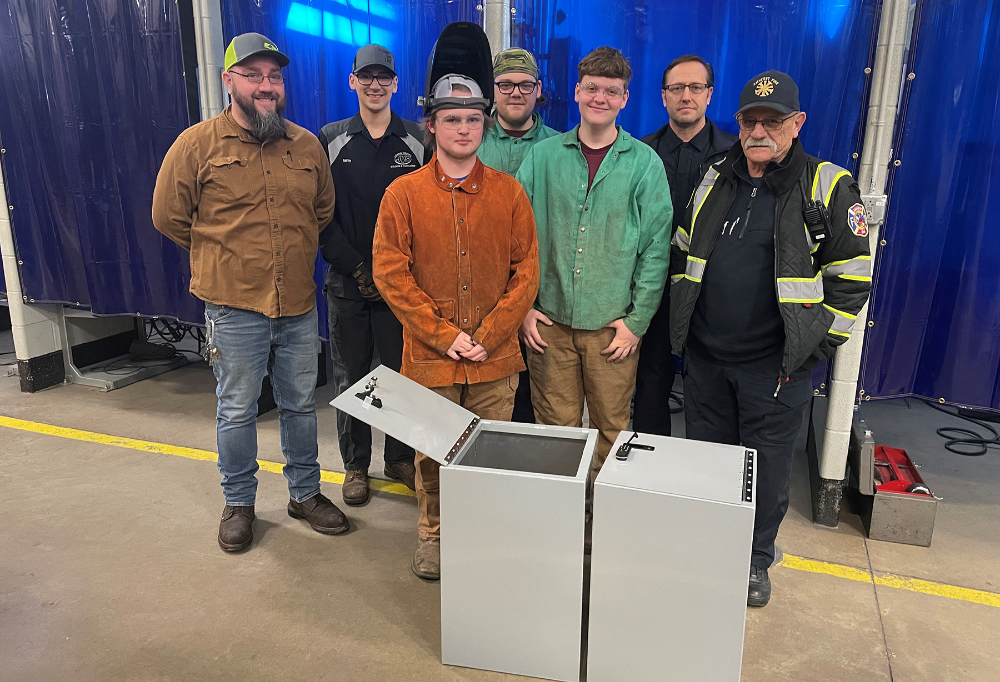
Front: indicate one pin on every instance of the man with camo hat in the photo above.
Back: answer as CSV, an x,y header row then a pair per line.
x,y
517,90
519,127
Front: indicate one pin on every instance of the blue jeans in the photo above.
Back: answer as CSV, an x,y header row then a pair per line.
x,y
249,345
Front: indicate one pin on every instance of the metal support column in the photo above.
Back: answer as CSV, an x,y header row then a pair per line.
x,y
211,56
35,328
496,24
895,31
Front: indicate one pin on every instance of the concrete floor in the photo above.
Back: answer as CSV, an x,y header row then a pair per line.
x,y
109,568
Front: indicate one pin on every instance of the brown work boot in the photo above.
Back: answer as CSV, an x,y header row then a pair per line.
x,y
322,515
404,472
427,560
355,488
236,528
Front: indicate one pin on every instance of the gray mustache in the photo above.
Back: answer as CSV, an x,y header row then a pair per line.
x,y
765,142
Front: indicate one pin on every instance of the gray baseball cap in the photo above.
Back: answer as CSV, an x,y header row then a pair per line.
x,y
247,45
374,55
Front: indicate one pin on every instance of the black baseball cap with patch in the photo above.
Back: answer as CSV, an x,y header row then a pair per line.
x,y
249,44
374,55
772,89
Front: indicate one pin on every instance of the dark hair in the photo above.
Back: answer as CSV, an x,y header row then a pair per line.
x,y
605,62
429,140
685,58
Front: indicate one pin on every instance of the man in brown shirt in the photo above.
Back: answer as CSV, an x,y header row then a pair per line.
x,y
247,193
456,258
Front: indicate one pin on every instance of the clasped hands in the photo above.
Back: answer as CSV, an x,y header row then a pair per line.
x,y
464,346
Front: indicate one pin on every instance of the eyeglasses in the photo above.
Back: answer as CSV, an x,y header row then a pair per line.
x,y
506,87
771,124
367,78
258,78
678,88
611,92
475,122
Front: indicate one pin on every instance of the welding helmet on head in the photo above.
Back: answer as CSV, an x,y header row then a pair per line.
x,y
461,56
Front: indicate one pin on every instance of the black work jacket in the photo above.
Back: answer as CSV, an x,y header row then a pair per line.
x,y
820,287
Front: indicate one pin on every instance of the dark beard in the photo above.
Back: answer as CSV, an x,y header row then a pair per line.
x,y
264,127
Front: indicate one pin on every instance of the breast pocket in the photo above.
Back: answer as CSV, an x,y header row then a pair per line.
x,y
301,180
228,179
619,240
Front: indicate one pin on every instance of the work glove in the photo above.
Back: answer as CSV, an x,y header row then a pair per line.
x,y
366,285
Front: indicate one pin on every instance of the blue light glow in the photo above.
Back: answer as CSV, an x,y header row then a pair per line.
x,y
339,26
832,14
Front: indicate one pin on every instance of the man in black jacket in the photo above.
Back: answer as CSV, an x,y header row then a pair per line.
x,y
688,145
768,272
367,152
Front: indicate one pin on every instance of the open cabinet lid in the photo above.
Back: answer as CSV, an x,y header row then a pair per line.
x,y
409,412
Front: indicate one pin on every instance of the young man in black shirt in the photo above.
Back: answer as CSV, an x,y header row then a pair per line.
x,y
367,152
688,144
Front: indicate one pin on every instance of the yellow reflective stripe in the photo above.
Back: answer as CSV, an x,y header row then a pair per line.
x,y
674,279
829,192
702,192
843,323
695,269
682,240
816,178
857,269
827,175
800,289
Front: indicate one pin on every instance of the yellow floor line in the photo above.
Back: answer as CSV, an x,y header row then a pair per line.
x,y
789,561
178,451
890,580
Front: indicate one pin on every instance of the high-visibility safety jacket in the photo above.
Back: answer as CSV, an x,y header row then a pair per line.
x,y
820,287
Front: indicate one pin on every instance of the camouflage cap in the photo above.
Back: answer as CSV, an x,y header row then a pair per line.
x,y
515,60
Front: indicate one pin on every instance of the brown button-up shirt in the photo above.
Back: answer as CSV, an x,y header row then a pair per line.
x,y
452,257
249,213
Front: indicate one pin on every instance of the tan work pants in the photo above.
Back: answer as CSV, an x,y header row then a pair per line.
x,y
571,369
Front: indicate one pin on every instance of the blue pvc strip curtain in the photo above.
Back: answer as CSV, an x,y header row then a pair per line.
x,y
320,38
91,97
824,45
936,308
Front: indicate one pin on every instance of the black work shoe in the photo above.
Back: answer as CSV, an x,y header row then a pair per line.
x,y
321,514
759,592
236,528
355,489
404,472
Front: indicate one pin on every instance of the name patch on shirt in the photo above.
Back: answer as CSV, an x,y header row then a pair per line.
x,y
857,221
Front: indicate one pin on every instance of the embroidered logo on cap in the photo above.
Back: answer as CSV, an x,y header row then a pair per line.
x,y
857,221
764,86
271,46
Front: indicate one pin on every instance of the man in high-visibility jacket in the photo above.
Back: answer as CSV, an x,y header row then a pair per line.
x,y
768,271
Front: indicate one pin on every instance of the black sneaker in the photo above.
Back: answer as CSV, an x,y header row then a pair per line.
x,y
236,528
759,591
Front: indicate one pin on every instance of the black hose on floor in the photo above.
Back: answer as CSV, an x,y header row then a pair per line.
x,y
958,438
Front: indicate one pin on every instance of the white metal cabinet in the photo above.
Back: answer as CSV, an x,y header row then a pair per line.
x,y
672,536
512,526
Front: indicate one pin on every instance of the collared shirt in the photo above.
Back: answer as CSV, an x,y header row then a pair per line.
x,y
362,169
603,253
683,161
249,213
505,152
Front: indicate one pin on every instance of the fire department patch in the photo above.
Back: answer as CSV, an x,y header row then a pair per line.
x,y
857,221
